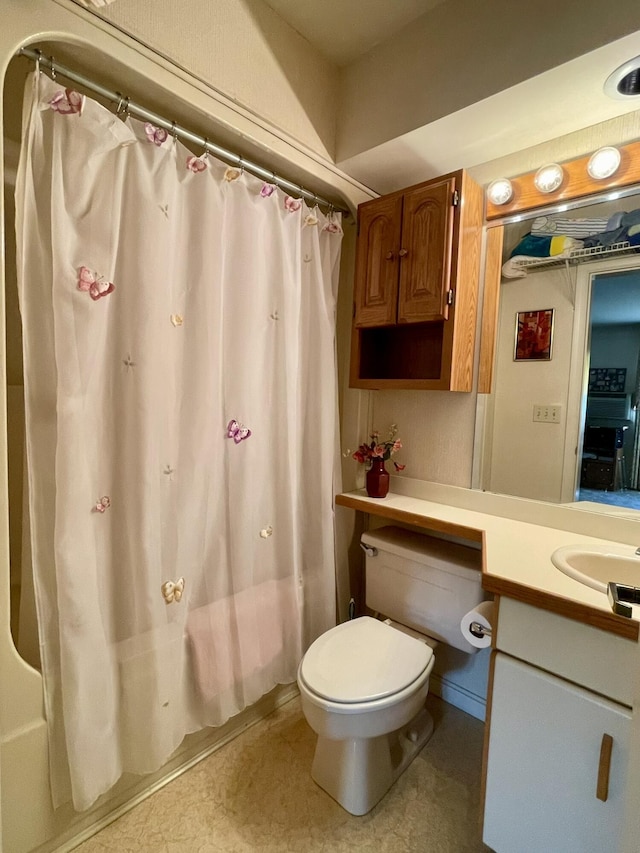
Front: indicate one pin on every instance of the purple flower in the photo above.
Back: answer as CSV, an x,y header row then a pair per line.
x,y
292,204
157,135
196,164
67,102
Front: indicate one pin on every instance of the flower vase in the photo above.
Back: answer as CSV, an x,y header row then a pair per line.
x,y
377,479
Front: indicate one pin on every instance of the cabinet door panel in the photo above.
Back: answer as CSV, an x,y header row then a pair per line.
x,y
545,768
425,269
376,287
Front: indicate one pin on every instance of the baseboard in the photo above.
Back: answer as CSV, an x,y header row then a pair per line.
x,y
458,696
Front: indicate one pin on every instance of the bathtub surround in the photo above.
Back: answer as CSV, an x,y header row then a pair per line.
x,y
182,556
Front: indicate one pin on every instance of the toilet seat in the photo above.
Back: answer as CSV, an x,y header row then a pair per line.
x,y
363,661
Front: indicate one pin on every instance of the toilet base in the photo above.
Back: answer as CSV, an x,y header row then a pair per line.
x,y
358,772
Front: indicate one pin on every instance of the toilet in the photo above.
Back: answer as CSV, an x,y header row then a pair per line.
x,y
363,684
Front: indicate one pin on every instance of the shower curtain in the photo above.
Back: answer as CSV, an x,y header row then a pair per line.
x,y
180,392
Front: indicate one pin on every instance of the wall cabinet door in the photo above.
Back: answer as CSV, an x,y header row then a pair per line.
x,y
551,785
403,263
378,261
416,284
425,254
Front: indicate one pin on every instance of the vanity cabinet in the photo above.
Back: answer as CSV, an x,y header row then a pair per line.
x,y
416,284
557,740
557,765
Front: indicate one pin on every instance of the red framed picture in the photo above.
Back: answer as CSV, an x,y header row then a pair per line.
x,y
534,335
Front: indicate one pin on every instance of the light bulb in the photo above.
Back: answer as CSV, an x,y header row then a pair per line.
x,y
548,178
603,163
500,191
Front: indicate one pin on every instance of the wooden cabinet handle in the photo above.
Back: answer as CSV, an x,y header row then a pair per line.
x,y
403,252
389,256
604,766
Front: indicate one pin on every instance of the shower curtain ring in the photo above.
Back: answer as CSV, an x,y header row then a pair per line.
x,y
52,66
38,58
123,107
205,153
173,131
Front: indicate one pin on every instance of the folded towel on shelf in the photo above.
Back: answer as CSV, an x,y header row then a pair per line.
x,y
622,223
615,220
512,269
546,225
534,246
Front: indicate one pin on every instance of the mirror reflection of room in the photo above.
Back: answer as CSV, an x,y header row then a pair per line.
x,y
562,425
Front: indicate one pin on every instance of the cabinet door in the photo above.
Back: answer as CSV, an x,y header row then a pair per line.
x,y
425,253
376,284
546,765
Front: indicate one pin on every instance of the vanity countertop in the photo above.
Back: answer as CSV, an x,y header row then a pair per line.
x,y
516,556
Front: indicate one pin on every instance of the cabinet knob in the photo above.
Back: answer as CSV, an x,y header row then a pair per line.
x,y
403,252
389,256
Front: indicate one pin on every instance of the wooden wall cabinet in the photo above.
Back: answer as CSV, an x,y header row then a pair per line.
x,y
416,286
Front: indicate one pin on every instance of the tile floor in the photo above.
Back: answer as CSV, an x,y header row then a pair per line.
x,y
256,794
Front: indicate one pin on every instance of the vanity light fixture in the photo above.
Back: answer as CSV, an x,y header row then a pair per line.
x,y
548,178
603,163
624,82
500,191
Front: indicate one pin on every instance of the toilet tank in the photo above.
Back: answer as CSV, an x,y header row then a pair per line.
x,y
425,583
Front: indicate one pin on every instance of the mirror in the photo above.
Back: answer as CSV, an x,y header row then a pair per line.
x,y
560,425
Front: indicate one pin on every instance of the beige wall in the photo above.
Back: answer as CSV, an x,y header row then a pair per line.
x,y
421,75
527,458
243,49
619,130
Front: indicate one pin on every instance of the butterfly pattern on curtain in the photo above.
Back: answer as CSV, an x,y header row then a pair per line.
x,y
182,552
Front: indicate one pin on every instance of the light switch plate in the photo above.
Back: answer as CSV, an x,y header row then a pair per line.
x,y
547,413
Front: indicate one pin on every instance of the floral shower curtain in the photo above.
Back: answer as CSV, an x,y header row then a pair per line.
x,y
178,319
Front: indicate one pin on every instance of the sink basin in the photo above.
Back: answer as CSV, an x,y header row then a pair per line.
x,y
596,565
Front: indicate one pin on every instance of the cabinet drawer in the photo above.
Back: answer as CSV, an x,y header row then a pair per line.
x,y
580,653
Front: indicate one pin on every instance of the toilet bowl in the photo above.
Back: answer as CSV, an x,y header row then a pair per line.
x,y
363,686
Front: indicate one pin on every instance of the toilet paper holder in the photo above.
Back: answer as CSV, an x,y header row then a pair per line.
x,y
479,630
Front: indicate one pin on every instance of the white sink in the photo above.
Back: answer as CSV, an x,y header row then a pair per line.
x,y
596,565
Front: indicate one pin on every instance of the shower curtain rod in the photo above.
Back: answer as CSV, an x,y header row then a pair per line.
x,y
175,129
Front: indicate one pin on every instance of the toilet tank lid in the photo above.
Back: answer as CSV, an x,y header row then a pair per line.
x,y
363,660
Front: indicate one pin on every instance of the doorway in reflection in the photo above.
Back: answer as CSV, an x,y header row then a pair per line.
x,y
610,469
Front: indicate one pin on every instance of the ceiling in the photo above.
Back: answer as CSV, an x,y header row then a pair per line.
x,y
344,30
564,99
560,101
